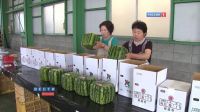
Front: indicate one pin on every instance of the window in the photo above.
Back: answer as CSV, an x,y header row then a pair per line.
x,y
10,23
18,4
69,17
95,14
186,22
54,19
19,22
36,1
37,21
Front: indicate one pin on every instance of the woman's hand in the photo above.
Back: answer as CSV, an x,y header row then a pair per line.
x,y
99,45
129,55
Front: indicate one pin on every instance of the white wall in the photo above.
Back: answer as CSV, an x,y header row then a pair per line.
x,y
125,12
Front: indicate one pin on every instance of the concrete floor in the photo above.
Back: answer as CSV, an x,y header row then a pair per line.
x,y
7,102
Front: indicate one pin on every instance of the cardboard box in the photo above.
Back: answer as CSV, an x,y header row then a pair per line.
x,y
110,71
194,105
26,56
126,76
64,60
146,79
38,58
93,66
173,96
79,62
50,58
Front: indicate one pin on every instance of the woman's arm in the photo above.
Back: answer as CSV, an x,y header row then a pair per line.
x,y
143,56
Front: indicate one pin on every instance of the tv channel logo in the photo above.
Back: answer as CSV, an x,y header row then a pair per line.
x,y
156,14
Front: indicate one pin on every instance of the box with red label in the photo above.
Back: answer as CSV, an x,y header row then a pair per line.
x,y
194,105
173,96
146,79
126,76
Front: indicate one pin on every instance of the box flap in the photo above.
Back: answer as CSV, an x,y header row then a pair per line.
x,y
96,57
62,52
151,68
177,85
196,76
85,54
135,62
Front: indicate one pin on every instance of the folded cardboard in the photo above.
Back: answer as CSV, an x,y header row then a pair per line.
x,y
173,96
146,79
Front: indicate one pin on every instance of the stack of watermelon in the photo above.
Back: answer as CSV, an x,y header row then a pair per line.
x,y
117,52
82,85
44,72
102,92
55,76
68,81
89,40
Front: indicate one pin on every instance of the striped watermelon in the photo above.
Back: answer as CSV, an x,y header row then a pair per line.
x,y
68,81
82,85
89,40
55,76
102,92
117,52
44,72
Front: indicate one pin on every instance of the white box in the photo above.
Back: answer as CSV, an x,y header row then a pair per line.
x,y
38,58
194,105
93,66
173,96
64,60
24,55
79,62
110,71
50,58
126,76
146,78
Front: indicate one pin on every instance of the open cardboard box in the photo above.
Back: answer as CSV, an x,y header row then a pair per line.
x,y
194,105
146,79
173,96
126,69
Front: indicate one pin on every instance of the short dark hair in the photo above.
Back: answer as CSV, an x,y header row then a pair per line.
x,y
140,25
109,25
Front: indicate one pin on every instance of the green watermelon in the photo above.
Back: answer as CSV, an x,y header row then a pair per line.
x,y
117,52
82,85
68,81
55,76
89,40
102,92
44,72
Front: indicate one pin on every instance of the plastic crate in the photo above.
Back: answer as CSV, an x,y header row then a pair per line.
x,y
8,59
